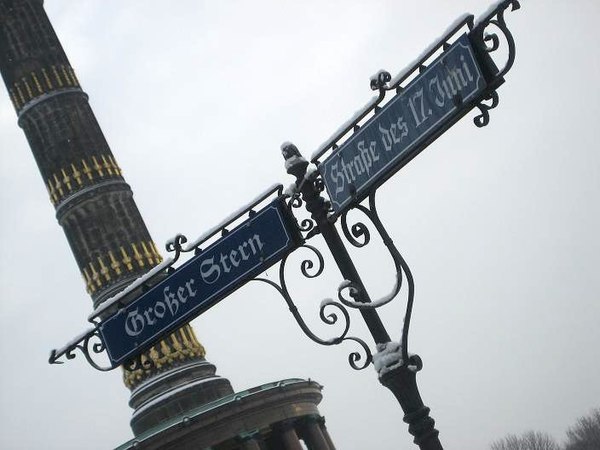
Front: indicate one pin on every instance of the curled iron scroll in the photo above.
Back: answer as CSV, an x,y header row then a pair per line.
x,y
357,234
90,346
352,234
330,311
175,245
306,226
490,41
485,35
490,101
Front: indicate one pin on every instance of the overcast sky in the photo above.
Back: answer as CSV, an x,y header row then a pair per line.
x,y
499,225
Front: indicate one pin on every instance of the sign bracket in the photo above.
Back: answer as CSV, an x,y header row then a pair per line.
x,y
91,343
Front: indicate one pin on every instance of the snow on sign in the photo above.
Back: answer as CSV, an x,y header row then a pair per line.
x,y
430,104
201,282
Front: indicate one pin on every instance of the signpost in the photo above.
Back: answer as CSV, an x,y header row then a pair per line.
x,y
462,77
405,126
201,282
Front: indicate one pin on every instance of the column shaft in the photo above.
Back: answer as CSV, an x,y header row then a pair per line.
x,y
313,436
290,439
326,435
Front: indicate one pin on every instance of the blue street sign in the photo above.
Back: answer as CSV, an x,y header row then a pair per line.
x,y
430,104
201,282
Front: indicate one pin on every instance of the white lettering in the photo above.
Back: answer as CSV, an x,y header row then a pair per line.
x,y
466,67
147,316
436,90
337,178
233,257
188,285
259,244
210,271
181,294
212,268
171,301
136,321
366,155
358,165
386,138
162,307
134,324
417,107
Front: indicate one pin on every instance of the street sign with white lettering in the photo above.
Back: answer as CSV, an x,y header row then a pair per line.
x,y
201,282
431,103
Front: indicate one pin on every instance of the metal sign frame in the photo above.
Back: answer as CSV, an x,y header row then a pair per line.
x,y
444,92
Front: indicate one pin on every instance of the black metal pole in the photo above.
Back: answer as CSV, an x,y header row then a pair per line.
x,y
401,381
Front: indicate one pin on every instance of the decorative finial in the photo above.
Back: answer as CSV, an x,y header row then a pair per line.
x,y
295,164
379,80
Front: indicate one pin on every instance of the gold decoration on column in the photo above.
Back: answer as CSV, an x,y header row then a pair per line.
x,y
111,268
76,174
66,179
126,259
97,166
89,285
95,275
115,166
155,252
18,88
47,79
174,350
52,192
56,76
27,88
103,269
114,264
58,186
137,256
73,76
147,254
37,83
14,98
62,183
66,75
87,170
107,165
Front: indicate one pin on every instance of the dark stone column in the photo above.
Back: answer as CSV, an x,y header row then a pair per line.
x,y
93,203
313,435
326,433
288,436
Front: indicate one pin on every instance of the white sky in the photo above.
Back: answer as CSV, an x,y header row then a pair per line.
x,y
499,225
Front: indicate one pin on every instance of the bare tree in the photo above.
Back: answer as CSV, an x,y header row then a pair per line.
x,y
530,440
585,434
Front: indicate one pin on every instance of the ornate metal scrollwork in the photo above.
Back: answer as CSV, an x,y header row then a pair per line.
x,y
380,80
90,344
175,245
329,310
484,118
490,41
82,345
306,226
355,357
357,231
360,229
